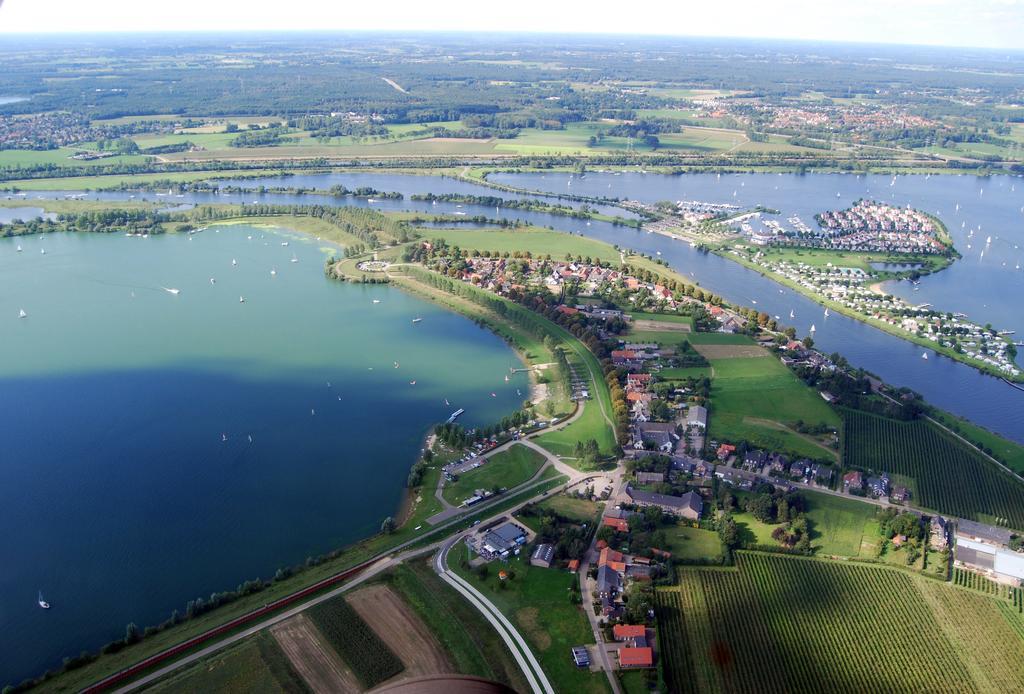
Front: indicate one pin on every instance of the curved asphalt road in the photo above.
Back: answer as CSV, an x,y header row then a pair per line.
x,y
513,639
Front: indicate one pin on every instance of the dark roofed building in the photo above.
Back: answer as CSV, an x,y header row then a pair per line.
x,y
688,505
650,477
542,555
983,533
608,582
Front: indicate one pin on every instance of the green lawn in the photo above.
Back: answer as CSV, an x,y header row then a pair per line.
x,y
581,510
759,400
537,241
753,531
684,372
537,601
693,543
719,339
590,425
663,317
837,524
507,469
255,664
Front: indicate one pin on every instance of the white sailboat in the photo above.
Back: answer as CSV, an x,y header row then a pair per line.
x,y
813,329
791,314
19,249
42,603
234,262
213,281
241,299
42,251
826,313
273,272
22,314
295,258
924,355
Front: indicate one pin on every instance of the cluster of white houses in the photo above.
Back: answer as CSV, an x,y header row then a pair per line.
x,y
851,288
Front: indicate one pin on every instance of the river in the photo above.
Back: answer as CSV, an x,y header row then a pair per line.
x,y
987,289
159,447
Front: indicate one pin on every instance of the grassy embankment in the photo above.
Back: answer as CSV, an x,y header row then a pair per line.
x,y
75,680
503,470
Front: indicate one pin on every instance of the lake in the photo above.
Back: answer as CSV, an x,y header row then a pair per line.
x,y
986,288
128,481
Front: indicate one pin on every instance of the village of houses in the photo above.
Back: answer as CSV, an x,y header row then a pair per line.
x,y
695,464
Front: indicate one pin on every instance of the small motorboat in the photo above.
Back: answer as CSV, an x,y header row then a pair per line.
x,y
376,301
416,320
171,290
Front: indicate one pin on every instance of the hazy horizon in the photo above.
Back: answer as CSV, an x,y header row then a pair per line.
x,y
988,24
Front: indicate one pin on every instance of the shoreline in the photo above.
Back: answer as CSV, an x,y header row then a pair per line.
x,y
839,308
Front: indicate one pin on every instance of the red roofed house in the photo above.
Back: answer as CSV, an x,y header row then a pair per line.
x,y
617,524
725,450
574,565
568,310
623,354
628,632
607,555
636,657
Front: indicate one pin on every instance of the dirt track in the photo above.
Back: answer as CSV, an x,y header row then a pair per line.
x,y
313,658
404,632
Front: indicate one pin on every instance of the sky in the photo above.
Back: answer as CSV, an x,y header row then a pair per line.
x,y
980,23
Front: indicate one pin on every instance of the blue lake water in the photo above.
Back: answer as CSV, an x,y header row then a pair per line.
x,y
121,500
987,289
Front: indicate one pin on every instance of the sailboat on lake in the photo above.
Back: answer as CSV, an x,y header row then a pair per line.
x,y
42,603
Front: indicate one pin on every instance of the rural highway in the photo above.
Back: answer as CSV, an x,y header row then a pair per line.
x,y
513,639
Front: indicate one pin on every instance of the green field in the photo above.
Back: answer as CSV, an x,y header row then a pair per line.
x,y
590,425
538,241
507,469
790,624
684,372
950,476
759,400
471,642
254,664
1007,452
837,525
536,600
663,317
685,542
573,508
369,658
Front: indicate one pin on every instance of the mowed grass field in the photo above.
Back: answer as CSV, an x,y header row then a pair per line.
x,y
538,241
838,525
256,664
506,469
685,542
789,624
536,600
759,400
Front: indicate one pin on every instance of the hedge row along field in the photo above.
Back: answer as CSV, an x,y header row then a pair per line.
x,y
370,659
792,624
951,477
